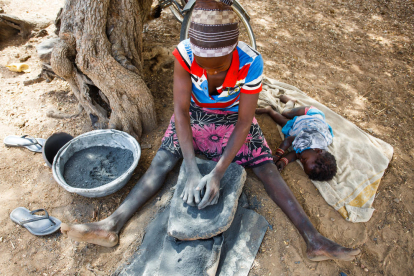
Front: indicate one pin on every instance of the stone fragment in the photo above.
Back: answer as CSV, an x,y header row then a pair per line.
x,y
42,33
44,49
146,146
25,58
146,260
241,243
188,222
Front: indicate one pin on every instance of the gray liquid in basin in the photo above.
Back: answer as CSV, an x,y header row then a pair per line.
x,y
96,166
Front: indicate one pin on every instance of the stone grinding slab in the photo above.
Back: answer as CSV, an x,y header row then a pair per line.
x,y
146,260
188,222
160,254
241,243
199,257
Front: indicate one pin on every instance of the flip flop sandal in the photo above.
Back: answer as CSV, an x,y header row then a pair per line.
x,y
32,144
37,225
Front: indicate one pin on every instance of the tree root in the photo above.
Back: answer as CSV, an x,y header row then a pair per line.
x,y
59,115
11,25
46,74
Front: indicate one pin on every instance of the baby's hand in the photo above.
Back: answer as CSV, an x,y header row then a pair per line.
x,y
280,165
279,153
276,158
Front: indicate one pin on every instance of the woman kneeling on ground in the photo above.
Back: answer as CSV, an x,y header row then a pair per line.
x,y
217,81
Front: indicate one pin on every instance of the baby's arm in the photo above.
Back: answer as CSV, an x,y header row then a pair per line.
x,y
290,157
297,111
283,147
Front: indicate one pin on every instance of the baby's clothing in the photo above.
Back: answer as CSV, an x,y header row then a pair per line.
x,y
311,131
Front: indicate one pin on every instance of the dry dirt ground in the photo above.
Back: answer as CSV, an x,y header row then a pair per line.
x,y
356,57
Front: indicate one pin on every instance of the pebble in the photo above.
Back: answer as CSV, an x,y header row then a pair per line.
x,y
397,200
332,219
146,146
25,58
370,130
366,269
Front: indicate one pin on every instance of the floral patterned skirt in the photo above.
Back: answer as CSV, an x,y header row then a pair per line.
x,y
211,132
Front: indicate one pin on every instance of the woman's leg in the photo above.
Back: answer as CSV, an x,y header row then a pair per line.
x,y
105,232
319,248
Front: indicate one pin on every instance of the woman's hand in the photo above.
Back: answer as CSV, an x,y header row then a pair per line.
x,y
190,195
212,183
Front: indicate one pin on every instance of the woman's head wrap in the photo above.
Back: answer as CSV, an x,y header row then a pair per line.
x,y
214,29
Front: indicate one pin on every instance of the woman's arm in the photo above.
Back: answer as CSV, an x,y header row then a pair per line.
x,y
247,107
182,95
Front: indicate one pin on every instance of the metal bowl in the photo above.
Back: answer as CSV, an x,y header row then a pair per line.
x,y
109,138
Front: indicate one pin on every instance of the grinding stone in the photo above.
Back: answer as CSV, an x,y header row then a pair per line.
x,y
188,222
241,243
44,49
161,255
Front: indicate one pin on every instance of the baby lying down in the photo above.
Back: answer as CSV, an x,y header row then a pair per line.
x,y
309,135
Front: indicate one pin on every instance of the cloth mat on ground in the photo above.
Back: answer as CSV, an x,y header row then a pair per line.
x,y
361,158
235,254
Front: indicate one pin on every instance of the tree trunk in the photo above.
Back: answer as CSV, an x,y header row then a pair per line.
x,y
100,55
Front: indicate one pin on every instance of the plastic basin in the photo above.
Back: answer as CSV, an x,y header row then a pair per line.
x,y
107,137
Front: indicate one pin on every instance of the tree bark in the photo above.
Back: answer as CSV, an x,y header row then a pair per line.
x,y
100,55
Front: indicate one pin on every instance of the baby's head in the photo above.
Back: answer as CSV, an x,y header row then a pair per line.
x,y
213,35
318,164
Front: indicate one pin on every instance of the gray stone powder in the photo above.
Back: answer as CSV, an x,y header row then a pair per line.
x,y
96,166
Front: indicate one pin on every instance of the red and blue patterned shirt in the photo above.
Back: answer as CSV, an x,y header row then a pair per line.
x,y
244,76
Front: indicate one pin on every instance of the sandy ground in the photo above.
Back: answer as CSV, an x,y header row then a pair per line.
x,y
356,57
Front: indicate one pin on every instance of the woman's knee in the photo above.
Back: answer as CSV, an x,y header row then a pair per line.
x,y
267,172
265,169
164,161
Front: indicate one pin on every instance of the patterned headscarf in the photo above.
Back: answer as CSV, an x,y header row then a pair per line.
x,y
214,29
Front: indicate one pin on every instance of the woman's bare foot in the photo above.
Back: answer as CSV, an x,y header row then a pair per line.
x,y
285,98
91,232
323,249
267,109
